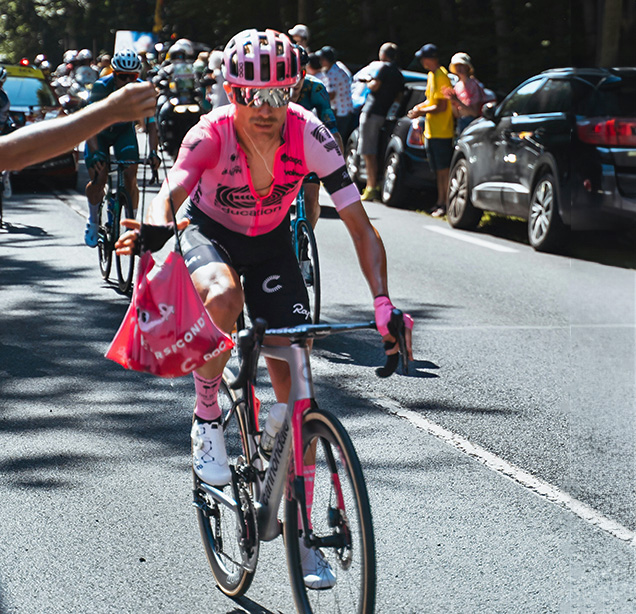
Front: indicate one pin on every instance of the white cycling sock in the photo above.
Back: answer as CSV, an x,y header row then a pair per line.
x,y
93,213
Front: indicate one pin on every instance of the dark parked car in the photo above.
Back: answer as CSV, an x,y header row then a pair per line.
x,y
402,162
32,99
558,151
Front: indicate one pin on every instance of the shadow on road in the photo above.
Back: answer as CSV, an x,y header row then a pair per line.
x,y
612,248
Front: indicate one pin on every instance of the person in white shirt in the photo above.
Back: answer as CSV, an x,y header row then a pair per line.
x,y
338,83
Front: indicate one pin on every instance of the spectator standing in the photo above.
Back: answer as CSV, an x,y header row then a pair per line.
x,y
439,125
5,105
384,89
468,95
338,83
314,67
4,100
103,65
300,35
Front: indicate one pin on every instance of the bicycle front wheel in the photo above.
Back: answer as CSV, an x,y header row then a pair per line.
x,y
341,519
125,264
307,254
233,563
105,240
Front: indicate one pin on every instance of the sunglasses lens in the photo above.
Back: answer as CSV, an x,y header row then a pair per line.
x,y
275,97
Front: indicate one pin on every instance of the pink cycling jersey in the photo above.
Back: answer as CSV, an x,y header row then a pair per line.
x,y
212,168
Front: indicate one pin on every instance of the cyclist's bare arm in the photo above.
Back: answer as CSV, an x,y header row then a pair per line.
x,y
372,257
44,140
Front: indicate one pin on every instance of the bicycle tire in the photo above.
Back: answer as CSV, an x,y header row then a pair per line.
x,y
307,255
105,239
217,524
354,563
125,264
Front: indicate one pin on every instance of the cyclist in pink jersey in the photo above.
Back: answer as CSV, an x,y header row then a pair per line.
x,y
238,171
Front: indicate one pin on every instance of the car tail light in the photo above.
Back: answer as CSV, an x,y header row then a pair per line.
x,y
415,136
619,131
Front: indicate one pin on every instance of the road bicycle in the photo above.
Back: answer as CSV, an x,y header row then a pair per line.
x,y
115,206
306,250
233,520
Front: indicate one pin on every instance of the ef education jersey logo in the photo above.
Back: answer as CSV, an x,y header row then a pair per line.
x,y
267,284
323,136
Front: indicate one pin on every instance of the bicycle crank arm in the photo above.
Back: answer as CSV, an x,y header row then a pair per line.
x,y
219,496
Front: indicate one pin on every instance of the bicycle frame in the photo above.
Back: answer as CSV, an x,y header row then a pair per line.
x,y
270,486
116,169
301,212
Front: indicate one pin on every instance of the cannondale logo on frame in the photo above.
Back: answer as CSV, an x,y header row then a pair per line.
x,y
269,288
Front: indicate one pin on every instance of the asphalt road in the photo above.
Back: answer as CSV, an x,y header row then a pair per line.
x,y
501,470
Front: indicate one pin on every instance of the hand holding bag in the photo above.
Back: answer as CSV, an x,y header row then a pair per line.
x,y
166,331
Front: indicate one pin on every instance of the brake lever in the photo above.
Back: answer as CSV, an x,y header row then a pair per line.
x,y
396,329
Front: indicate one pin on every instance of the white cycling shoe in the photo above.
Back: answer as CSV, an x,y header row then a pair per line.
x,y
90,234
317,572
209,458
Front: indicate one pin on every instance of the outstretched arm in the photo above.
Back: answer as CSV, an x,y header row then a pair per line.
x,y
372,258
47,139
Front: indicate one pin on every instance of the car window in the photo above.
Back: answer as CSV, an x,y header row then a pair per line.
x,y
520,102
415,96
613,100
26,92
554,97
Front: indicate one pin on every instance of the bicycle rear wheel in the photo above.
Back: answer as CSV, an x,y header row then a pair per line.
x,y
105,240
125,264
233,565
307,254
341,517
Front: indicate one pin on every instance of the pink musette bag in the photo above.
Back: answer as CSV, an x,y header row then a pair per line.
x,y
166,330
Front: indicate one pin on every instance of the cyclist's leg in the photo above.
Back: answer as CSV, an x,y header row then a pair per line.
x,y
220,289
275,291
127,149
98,174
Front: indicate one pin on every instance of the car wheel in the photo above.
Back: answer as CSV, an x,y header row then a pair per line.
x,y
461,211
352,160
393,190
545,228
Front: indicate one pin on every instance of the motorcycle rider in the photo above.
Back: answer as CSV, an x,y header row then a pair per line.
x,y
122,137
176,80
83,72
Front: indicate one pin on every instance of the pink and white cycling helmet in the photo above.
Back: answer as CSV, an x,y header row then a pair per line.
x,y
256,58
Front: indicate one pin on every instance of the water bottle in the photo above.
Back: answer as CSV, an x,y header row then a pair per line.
x,y
274,421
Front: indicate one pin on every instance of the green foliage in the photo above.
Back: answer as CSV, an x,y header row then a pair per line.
x,y
508,40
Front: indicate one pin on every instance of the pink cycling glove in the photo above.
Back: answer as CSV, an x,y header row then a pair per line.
x,y
383,308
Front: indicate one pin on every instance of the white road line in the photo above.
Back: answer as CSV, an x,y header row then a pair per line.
x,y
461,236
536,485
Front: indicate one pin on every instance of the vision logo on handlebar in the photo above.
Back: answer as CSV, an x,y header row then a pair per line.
x,y
396,328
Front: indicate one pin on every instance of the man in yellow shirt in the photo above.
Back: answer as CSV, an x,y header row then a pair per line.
x,y
439,126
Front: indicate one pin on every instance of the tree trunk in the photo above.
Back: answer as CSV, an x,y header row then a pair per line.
x,y
610,32
590,21
502,36
305,12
